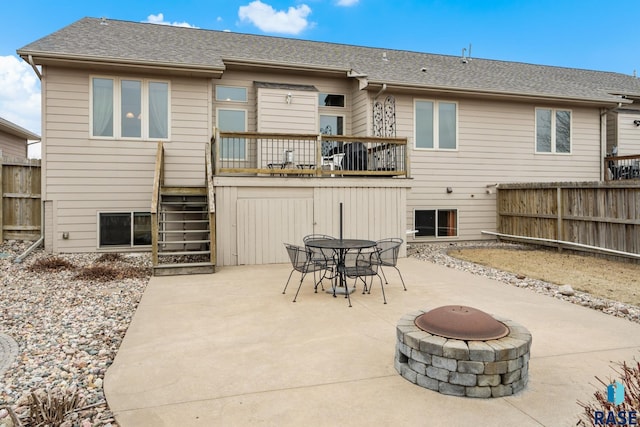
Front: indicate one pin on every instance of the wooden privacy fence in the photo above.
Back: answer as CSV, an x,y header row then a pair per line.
x,y
605,215
20,207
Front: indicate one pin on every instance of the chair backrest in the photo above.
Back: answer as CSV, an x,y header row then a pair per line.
x,y
388,250
308,237
298,255
364,262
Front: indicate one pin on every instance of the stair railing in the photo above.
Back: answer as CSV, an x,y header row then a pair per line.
x,y
211,202
158,182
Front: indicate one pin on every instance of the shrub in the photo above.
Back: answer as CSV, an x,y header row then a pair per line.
x,y
105,273
110,257
52,263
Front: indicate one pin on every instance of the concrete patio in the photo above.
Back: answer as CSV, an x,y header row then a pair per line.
x,y
229,349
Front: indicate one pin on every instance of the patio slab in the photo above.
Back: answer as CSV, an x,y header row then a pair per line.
x,y
231,349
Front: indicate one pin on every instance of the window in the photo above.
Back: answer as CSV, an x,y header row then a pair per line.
x,y
127,108
436,222
124,229
229,93
233,121
330,100
436,125
553,131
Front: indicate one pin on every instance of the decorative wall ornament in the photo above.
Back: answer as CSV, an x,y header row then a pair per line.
x,y
384,117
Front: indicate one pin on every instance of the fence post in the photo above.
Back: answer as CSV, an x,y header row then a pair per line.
x,y
559,225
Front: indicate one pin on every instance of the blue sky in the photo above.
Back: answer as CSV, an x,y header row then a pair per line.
x,y
586,34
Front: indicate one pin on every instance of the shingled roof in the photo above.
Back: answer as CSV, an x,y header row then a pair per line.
x,y
151,45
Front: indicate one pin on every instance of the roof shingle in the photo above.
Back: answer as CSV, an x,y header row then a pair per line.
x,y
113,41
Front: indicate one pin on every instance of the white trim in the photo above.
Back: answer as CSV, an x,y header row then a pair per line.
x,y
216,99
436,127
131,230
553,131
117,108
435,236
246,118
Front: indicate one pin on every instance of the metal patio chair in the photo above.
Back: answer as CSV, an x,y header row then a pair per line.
x,y
359,265
388,250
323,257
302,262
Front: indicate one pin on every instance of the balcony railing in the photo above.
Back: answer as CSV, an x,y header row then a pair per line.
x,y
622,167
276,154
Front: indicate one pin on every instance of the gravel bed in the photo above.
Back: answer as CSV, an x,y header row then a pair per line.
x,y
68,324
437,253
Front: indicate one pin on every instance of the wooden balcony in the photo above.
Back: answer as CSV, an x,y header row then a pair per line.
x,y
305,155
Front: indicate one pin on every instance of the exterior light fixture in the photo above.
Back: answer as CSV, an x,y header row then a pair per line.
x,y
289,96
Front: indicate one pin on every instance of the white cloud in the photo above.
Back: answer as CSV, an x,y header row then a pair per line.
x,y
266,18
347,3
19,93
159,19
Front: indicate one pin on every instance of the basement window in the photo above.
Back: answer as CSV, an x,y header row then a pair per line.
x,y
436,222
124,229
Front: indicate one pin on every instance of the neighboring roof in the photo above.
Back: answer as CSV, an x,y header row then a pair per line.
x,y
101,41
14,129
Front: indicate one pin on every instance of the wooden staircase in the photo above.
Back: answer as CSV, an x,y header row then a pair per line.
x,y
183,226
183,232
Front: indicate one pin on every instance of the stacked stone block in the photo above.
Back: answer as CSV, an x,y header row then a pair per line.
x,y
493,368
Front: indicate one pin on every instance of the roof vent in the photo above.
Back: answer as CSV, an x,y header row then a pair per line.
x,y
384,56
103,21
466,58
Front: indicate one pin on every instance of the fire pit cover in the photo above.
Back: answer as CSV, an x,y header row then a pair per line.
x,y
461,322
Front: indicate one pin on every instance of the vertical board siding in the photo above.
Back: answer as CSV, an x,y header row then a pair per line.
x,y
255,221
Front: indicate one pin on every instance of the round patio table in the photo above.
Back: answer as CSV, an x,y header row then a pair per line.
x,y
340,247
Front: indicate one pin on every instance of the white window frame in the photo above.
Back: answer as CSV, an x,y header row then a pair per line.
x,y
131,231
246,122
553,148
117,108
436,127
436,210
246,94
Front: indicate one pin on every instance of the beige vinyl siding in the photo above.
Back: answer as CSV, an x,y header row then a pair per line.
x,y
496,144
12,146
628,133
247,79
275,115
86,175
612,131
361,108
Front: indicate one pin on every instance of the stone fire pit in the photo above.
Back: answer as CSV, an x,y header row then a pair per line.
x,y
435,350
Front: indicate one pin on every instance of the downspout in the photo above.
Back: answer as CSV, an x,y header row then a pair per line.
x,y
40,240
35,68
384,88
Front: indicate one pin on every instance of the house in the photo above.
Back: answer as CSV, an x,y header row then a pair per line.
x,y
14,139
140,115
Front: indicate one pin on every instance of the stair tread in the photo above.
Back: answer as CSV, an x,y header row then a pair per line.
x,y
183,191
185,264
171,253
202,230
181,242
